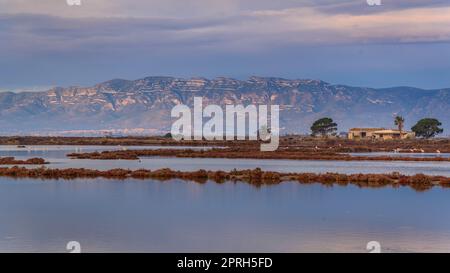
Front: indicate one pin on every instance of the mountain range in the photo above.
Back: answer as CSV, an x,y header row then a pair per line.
x,y
143,105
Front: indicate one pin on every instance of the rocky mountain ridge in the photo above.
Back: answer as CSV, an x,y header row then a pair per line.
x,y
144,105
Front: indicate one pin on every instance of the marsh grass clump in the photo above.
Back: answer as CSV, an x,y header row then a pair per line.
x,y
106,155
141,173
13,161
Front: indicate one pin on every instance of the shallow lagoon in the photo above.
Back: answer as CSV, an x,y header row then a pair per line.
x,y
173,216
56,155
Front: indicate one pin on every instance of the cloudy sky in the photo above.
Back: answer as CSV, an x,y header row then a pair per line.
x,y
47,42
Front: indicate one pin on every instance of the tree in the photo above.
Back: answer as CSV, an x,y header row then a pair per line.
x,y
400,122
427,127
323,127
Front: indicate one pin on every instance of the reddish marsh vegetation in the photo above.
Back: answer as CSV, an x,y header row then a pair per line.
x,y
301,143
13,161
244,152
255,177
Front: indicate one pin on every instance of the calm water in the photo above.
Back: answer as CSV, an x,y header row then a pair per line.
x,y
174,216
132,215
56,155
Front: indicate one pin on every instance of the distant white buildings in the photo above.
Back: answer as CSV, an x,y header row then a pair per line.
x,y
379,133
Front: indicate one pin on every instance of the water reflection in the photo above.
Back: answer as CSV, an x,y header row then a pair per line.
x,y
133,215
56,155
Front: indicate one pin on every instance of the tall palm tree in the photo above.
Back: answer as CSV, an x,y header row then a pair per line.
x,y
399,121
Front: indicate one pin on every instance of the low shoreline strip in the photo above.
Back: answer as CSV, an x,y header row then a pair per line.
x,y
255,177
244,154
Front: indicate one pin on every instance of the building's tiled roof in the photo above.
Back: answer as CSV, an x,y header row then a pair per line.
x,y
390,131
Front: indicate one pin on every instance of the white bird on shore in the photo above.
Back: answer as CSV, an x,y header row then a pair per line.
x,y
437,151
